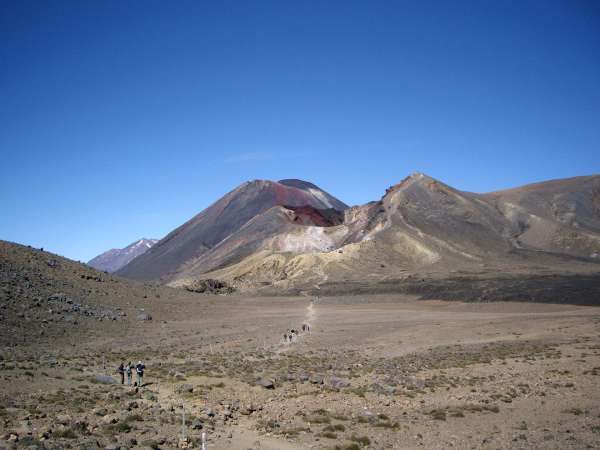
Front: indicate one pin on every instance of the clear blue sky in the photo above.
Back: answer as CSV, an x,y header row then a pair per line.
x,y
122,119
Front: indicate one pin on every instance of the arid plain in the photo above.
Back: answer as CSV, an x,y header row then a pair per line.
x,y
375,371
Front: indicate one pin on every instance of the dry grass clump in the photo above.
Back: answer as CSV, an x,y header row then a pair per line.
x,y
362,440
460,410
289,432
328,435
65,433
318,416
352,446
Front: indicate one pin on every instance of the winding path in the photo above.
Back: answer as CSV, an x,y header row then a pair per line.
x,y
309,319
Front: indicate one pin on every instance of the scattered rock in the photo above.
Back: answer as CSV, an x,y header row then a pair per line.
x,y
266,383
110,418
63,419
100,411
316,378
149,395
80,425
246,410
304,376
183,388
210,286
58,297
368,414
105,379
382,388
336,383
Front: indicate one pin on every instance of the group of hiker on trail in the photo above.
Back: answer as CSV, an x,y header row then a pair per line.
x,y
291,334
128,369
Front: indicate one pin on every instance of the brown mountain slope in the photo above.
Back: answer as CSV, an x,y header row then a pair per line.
x,y
253,236
204,232
561,216
421,226
46,298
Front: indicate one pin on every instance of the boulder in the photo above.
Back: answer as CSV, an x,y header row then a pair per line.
x,y
336,383
367,414
80,425
184,388
23,428
58,297
316,378
63,419
209,286
51,361
382,388
248,409
100,411
304,376
148,395
266,383
105,379
45,433
109,419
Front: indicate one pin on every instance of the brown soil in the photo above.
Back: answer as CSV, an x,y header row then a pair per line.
x,y
377,370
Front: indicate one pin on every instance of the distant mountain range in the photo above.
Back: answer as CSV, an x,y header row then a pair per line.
x,y
112,260
292,234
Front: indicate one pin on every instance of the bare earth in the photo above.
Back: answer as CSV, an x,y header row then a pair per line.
x,y
376,371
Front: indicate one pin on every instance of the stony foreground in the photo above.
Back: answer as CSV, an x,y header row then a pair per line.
x,y
375,372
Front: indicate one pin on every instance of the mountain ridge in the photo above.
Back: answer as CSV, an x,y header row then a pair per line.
x,y
221,219
285,233
115,258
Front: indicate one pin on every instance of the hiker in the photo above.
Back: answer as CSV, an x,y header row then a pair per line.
x,y
139,369
129,370
121,372
285,336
